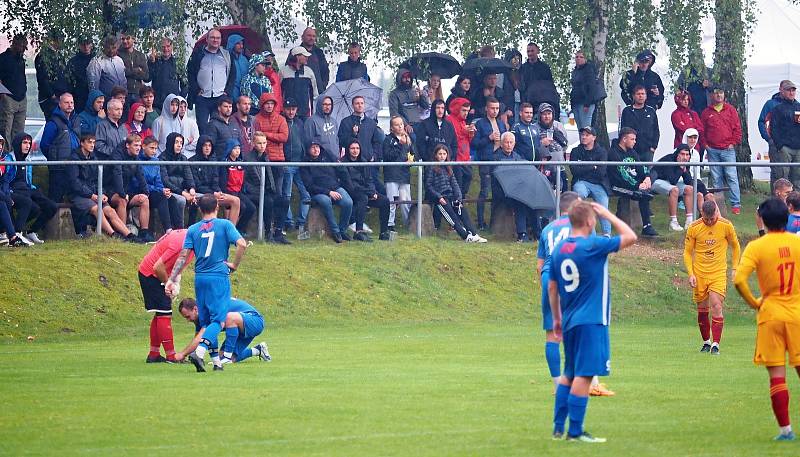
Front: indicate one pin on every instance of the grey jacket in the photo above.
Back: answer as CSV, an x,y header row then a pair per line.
x,y
106,72
324,129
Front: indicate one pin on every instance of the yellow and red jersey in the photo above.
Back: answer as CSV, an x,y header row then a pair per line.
x,y
775,257
705,251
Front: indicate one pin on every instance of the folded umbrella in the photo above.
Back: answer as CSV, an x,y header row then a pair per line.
x,y
427,63
343,93
527,185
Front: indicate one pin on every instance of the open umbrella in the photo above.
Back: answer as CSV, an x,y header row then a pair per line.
x,y
485,66
427,63
343,92
525,184
153,15
253,41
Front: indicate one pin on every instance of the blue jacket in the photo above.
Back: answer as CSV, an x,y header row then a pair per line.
x,y
88,116
61,135
484,147
152,175
525,135
765,110
17,180
240,62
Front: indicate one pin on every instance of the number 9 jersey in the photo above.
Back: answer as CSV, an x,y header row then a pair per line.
x,y
580,268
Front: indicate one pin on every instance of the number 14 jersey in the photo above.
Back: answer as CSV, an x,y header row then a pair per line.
x,y
776,259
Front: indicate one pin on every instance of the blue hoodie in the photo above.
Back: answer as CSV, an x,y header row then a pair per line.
x,y
152,175
88,116
241,63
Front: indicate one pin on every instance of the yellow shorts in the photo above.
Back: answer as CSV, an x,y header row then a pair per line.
x,y
717,283
773,340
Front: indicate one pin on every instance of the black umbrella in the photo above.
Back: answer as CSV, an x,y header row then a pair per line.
x,y
427,63
525,184
485,66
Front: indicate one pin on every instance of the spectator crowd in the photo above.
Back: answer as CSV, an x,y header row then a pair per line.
x,y
118,103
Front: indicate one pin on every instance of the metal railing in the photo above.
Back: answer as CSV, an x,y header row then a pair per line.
x,y
100,164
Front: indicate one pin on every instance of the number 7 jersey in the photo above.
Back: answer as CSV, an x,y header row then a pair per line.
x,y
210,240
580,268
776,259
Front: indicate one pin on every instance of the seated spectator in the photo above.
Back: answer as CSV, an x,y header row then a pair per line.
x,y
147,97
691,138
119,93
131,184
326,186
353,67
361,189
550,143
397,147
111,131
178,178
256,83
137,123
441,185
11,238
276,205
676,181
522,213
231,180
189,129
83,180
93,112
685,118
631,181
435,130
486,140
206,180
167,122
591,180
793,202
29,202
459,112
160,197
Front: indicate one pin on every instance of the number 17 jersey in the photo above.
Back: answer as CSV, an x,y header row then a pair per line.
x,y
210,240
776,259
580,267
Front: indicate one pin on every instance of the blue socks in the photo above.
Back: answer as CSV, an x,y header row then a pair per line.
x,y
577,411
246,354
560,412
231,336
553,356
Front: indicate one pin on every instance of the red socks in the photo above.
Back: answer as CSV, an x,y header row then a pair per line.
x,y
705,325
779,394
155,342
716,328
164,324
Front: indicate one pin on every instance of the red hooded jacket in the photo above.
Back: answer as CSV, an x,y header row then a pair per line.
x,y
723,128
274,126
684,119
146,131
463,137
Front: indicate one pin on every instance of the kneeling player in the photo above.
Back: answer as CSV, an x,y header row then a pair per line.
x,y
242,323
774,258
579,287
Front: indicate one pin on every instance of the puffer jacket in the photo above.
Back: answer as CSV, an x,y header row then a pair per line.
x,y
274,126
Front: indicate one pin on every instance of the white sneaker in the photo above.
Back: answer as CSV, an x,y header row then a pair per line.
x,y
689,221
34,237
481,239
352,227
3,239
472,238
26,241
366,228
675,226
263,352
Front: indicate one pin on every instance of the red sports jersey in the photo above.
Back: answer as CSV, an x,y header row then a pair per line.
x,y
168,247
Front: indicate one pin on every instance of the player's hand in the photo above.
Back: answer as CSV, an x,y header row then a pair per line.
x,y
557,330
693,281
169,289
231,266
733,273
179,356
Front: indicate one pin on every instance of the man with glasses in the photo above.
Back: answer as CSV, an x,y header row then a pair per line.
x,y
723,131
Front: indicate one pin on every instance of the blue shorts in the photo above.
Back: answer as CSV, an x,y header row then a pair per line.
x,y
547,315
587,351
253,326
213,298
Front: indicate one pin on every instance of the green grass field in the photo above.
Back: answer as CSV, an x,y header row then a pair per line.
x,y
428,347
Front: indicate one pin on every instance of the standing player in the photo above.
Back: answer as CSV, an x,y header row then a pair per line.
x,y
774,258
209,239
242,324
154,270
579,288
707,239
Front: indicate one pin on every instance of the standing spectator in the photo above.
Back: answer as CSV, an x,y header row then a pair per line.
x,y
397,147
256,82
220,128
136,69
93,112
25,194
212,73
406,101
107,70
206,178
764,127
294,151
506,153
51,74
316,58
537,84
160,196
76,70
487,138
179,179
189,128
723,131
432,91
511,84
236,48
643,119
642,75
698,86
459,112
13,106
435,130
685,118
326,186
299,82
785,125
244,122
353,67
163,73
490,90
550,143
147,97
231,180
276,205
137,123
275,129
591,180
60,137
362,128
631,181
361,189
167,122
462,89
131,183
582,96
524,132
111,132
324,128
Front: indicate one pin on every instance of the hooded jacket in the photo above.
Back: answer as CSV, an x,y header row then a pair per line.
x,y
432,132
142,129
106,72
556,149
166,123
584,81
366,131
723,127
152,175
129,179
394,151
20,177
61,135
220,132
684,119
648,79
136,69
645,121
358,180
785,129
253,85
349,69
239,61
206,178
463,137
294,150
765,118
176,177
595,174
403,101
193,69
323,128
458,92
88,117
231,178
322,180
274,126
626,176
300,85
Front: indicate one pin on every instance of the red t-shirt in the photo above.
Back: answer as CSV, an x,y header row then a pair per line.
x,y
167,248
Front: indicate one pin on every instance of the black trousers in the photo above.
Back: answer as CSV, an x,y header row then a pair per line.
x,y
247,209
275,208
360,204
170,212
32,204
457,218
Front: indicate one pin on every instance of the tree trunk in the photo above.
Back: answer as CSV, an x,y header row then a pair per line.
x,y
595,40
252,14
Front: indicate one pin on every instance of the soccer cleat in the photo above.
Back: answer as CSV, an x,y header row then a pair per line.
x,y
159,359
714,350
557,436
706,348
736,210
263,352
675,226
34,237
218,368
197,362
785,437
600,390
585,438
224,360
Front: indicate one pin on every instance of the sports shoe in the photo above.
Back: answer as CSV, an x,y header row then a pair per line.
x,y
3,239
337,238
558,436
159,359
17,242
218,368
481,239
522,238
585,437
600,390
706,348
689,221
681,204
352,227
24,239
263,352
302,233
736,210
472,238
34,237
675,226
146,236
362,236
649,231
197,362
385,236
366,228
224,360
785,437
714,350
346,237
279,238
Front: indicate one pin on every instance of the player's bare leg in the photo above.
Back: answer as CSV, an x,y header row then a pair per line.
x,y
704,323
717,320
779,394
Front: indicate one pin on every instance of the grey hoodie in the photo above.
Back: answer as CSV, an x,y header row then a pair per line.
x,y
402,101
325,130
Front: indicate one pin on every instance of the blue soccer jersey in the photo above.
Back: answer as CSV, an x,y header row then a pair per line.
x,y
794,224
580,267
210,240
241,306
551,235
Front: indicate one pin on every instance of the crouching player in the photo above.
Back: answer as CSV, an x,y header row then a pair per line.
x,y
775,258
242,324
579,288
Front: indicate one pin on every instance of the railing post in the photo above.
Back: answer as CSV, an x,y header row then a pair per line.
x,y
419,201
695,174
99,229
262,175
558,192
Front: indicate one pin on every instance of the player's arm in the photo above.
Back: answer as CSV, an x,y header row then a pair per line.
x,y
733,240
555,306
539,266
688,260
241,246
760,225
174,278
740,281
192,345
626,234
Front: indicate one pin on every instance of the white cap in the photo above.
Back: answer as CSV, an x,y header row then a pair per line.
x,y
299,51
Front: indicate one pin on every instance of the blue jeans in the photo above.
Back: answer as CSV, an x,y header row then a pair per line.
x,y
293,175
728,173
203,107
599,194
345,205
583,119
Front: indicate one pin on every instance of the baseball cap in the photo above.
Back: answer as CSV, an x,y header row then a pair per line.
x,y
290,103
299,51
691,132
589,129
786,84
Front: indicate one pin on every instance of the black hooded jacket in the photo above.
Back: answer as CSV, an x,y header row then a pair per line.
x,y
206,178
322,180
178,177
648,79
22,180
358,180
432,132
129,179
